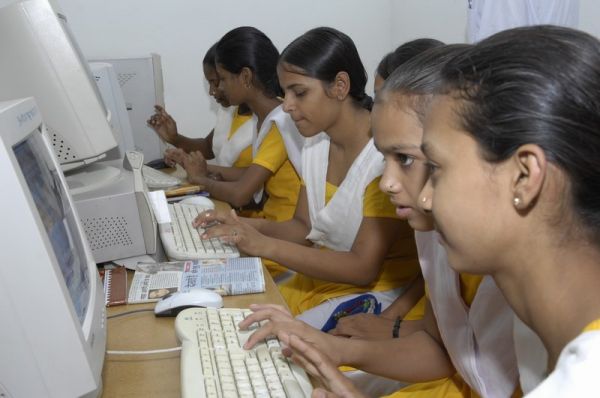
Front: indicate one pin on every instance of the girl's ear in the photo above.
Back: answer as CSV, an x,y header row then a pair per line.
x,y
246,75
340,86
530,171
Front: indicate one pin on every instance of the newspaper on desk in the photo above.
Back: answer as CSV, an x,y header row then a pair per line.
x,y
227,276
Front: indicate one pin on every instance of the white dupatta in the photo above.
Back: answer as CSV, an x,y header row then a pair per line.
x,y
336,224
227,151
292,140
478,339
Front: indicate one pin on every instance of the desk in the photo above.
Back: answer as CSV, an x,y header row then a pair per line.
x,y
155,375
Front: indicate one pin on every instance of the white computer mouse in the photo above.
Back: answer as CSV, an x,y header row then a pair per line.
x,y
173,304
199,200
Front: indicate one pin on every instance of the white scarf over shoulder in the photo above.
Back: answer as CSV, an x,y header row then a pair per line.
x,y
292,139
227,151
478,339
576,372
336,224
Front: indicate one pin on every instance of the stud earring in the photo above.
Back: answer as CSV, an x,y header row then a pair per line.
x,y
517,201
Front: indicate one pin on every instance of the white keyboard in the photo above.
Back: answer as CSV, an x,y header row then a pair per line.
x,y
213,364
181,241
156,179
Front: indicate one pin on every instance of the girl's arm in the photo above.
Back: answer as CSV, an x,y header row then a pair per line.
x,y
415,357
359,266
237,192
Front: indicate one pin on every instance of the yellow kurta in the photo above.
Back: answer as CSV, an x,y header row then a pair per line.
x,y
453,386
282,188
400,266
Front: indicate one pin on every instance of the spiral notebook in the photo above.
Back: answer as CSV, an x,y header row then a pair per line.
x,y
115,286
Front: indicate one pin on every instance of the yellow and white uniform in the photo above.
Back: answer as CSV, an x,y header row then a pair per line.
x,y
576,372
283,187
271,150
336,214
232,138
475,324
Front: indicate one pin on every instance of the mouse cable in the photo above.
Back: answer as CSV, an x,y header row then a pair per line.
x,y
113,352
174,349
129,313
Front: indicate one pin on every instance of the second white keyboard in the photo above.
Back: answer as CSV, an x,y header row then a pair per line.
x,y
213,364
181,241
156,179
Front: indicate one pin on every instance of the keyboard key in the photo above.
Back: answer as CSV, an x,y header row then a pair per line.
x,y
213,358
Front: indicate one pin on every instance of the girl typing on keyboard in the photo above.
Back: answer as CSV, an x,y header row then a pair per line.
x,y
230,141
349,250
246,62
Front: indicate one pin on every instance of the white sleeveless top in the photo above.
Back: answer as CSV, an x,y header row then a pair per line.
x,y
336,224
479,339
227,150
292,140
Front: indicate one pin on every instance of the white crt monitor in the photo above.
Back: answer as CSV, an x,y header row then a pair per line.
x,y
112,96
40,58
52,313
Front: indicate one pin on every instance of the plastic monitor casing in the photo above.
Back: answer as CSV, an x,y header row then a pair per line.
x,y
116,215
40,58
141,82
112,96
47,347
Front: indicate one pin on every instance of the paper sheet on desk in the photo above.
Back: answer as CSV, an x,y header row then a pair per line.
x,y
158,200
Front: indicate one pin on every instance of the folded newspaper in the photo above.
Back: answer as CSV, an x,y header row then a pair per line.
x,y
227,276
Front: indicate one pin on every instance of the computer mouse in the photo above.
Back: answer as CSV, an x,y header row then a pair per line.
x,y
173,304
199,200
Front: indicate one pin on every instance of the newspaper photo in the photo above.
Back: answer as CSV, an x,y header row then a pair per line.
x,y
227,276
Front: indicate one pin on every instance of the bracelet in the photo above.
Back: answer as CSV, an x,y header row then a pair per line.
x,y
396,328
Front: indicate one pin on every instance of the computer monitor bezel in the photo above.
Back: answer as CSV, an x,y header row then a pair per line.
x,y
46,350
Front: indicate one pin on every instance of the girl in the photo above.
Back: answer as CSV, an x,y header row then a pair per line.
x,y
391,61
523,110
229,143
379,326
246,62
463,346
358,245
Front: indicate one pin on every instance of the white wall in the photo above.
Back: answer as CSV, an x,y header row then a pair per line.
x,y
182,30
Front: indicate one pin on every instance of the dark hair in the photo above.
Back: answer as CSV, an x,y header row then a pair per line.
x,y
536,85
248,47
209,57
322,53
403,53
419,78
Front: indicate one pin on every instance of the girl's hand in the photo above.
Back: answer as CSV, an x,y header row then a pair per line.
x,y
163,124
195,166
231,229
320,366
174,156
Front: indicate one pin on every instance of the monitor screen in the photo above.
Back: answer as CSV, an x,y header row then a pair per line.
x,y
57,217
53,333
